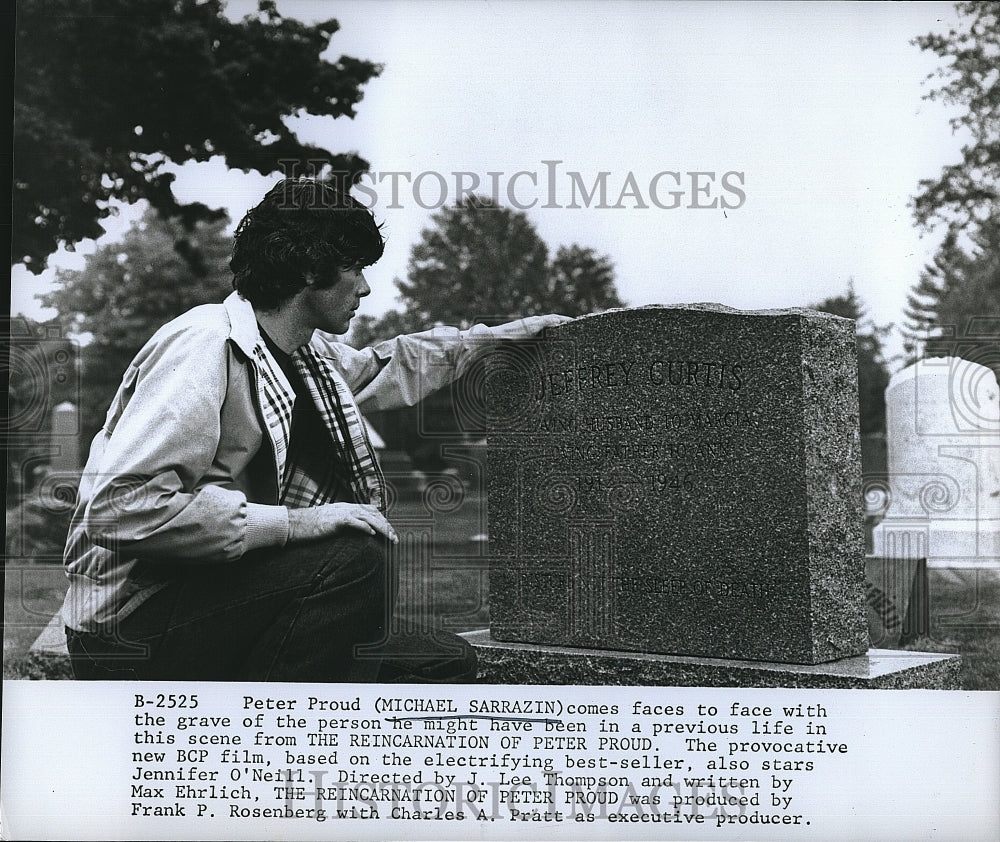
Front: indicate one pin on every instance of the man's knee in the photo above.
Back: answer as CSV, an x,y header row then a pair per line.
x,y
354,558
355,583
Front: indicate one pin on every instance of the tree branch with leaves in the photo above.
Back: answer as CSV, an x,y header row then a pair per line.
x,y
959,291
966,194
108,92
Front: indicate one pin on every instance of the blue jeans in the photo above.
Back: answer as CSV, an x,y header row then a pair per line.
x,y
317,612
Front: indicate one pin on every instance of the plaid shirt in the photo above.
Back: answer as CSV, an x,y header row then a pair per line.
x,y
352,460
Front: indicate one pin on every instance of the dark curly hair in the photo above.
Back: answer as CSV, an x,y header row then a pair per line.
x,y
302,227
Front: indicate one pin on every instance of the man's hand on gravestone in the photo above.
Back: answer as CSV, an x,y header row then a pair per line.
x,y
323,521
538,323
528,327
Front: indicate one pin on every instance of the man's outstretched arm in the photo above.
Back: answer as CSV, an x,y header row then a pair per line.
x,y
402,371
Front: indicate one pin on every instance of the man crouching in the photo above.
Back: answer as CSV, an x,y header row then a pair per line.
x,y
231,521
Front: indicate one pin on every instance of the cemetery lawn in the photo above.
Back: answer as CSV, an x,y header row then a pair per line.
x,y
32,594
452,575
965,618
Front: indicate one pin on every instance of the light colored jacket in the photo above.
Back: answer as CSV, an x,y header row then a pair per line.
x,y
187,470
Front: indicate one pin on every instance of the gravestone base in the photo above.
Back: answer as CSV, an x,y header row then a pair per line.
x,y
879,669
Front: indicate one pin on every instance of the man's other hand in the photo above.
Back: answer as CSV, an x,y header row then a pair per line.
x,y
321,521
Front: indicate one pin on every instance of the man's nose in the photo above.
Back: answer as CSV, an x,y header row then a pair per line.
x,y
363,288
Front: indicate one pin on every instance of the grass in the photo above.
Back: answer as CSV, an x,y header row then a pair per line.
x,y
32,594
965,618
445,580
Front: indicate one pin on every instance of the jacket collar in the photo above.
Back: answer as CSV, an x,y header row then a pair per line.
x,y
274,394
242,323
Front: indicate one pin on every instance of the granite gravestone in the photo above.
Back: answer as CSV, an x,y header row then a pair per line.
x,y
680,480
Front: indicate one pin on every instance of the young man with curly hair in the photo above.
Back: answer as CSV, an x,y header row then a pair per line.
x,y
231,517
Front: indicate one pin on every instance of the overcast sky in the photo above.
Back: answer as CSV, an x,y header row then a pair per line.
x,y
814,110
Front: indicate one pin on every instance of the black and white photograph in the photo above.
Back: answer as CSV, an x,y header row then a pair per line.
x,y
503,420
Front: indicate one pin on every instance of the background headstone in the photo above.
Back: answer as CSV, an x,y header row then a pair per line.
x,y
680,480
65,437
943,440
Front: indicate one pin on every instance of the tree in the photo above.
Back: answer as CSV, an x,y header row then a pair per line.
x,y
129,289
480,261
953,308
108,92
873,375
369,330
581,281
961,285
967,194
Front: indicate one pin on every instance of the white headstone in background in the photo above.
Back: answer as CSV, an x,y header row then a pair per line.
x,y
943,442
65,437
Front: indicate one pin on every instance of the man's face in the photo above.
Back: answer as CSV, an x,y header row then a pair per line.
x,y
334,306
